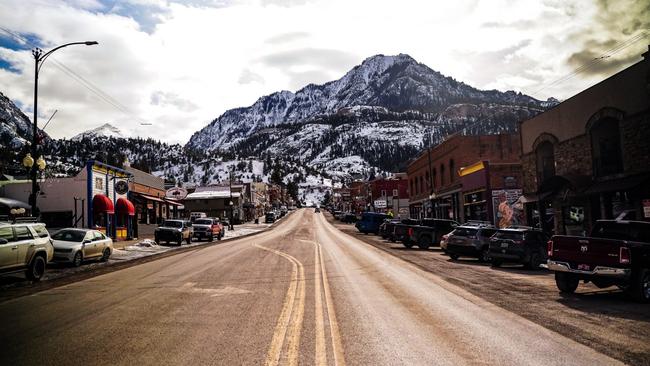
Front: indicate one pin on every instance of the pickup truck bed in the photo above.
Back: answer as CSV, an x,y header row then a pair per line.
x,y
617,253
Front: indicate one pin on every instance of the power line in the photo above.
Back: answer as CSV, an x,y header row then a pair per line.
x,y
594,62
105,97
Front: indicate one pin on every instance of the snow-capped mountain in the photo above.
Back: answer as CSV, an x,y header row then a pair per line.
x,y
396,83
105,130
15,127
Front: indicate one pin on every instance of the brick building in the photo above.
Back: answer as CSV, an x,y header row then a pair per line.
x,y
435,187
589,157
390,194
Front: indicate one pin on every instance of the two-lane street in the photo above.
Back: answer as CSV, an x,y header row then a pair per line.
x,y
302,293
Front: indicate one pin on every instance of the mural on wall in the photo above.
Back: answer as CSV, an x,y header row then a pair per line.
x,y
508,207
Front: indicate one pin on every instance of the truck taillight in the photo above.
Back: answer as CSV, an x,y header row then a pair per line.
x,y
549,246
410,231
624,255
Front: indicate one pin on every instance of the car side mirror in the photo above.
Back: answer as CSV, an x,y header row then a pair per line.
x,y
3,241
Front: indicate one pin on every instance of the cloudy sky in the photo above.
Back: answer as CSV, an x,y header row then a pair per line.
x,y
179,64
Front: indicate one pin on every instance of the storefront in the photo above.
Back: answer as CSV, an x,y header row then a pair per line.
x,y
108,189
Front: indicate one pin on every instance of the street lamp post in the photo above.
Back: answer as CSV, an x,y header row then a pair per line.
x,y
39,59
231,203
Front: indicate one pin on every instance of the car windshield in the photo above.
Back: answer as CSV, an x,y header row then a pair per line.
x,y
70,235
173,224
509,235
203,222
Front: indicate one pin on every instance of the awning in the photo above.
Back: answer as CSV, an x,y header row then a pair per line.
x,y
102,204
147,197
12,203
173,203
125,206
620,184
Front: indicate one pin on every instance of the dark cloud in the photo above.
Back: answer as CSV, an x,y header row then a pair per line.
x,y
287,37
622,21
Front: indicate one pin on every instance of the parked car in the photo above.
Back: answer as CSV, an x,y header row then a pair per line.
x,y
386,227
270,217
208,228
370,222
616,253
523,245
338,215
349,218
174,231
470,241
25,247
317,210
428,232
283,211
400,230
77,245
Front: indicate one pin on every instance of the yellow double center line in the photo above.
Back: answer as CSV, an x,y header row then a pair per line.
x,y
292,314
289,321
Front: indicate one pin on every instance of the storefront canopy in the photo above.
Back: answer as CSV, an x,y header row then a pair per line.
x,y
103,204
125,207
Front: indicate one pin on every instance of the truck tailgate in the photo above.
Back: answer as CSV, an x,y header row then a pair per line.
x,y
585,253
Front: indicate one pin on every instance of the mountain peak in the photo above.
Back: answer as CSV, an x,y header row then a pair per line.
x,y
104,131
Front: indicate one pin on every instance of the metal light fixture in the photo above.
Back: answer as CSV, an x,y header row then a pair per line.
x,y
28,161
40,163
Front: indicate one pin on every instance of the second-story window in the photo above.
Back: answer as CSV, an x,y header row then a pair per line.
x,y
545,155
442,175
452,173
606,147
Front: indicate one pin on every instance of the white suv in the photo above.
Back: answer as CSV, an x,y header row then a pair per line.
x,y
25,247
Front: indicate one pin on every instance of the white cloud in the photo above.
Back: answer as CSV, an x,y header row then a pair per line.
x,y
180,64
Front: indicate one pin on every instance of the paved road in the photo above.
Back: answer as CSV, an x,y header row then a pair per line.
x,y
302,293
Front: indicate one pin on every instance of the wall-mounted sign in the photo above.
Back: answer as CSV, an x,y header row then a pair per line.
x,y
380,204
177,193
121,187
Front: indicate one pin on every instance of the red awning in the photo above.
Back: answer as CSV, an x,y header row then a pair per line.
x,y
125,206
102,203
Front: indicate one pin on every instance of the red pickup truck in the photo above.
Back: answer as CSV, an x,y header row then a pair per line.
x,y
616,253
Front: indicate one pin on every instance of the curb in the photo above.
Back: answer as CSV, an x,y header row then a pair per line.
x,y
36,287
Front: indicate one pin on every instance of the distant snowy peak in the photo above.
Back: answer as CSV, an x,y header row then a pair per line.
x,y
106,130
390,83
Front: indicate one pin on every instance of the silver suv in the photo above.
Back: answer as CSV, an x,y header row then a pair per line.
x,y
25,247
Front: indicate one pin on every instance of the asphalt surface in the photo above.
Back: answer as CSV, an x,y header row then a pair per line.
x,y
301,293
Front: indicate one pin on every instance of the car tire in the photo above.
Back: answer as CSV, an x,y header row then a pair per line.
x,y
485,255
424,243
36,268
179,242
534,261
78,259
639,290
105,255
454,256
495,263
567,283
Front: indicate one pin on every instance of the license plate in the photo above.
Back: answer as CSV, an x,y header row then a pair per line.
x,y
584,267
504,245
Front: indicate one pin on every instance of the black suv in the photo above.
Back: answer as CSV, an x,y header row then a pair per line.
x,y
470,241
523,245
